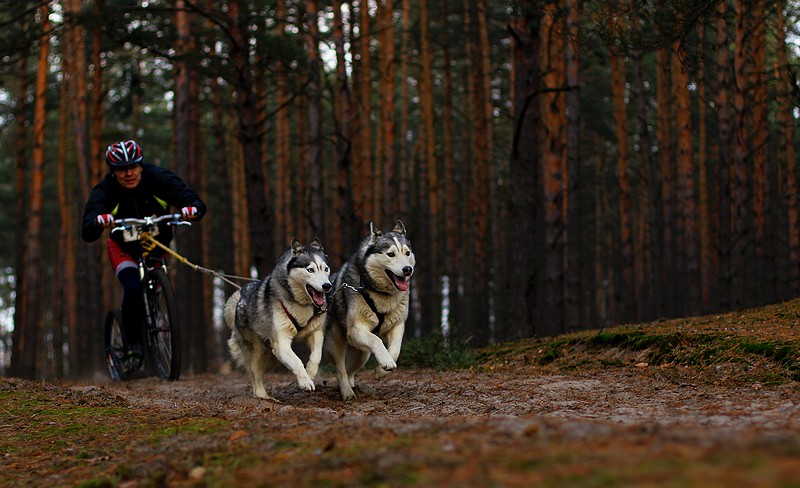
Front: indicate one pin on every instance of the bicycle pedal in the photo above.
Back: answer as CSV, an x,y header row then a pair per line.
x,y
133,361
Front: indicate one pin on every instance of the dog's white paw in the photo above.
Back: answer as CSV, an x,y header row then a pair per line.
x,y
347,393
306,384
388,365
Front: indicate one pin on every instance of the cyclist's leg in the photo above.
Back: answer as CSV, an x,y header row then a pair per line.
x,y
127,271
132,312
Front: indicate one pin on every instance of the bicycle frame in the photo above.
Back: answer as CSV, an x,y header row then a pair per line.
x,y
144,270
161,322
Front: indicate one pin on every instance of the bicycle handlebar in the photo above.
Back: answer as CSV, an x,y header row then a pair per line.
x,y
174,219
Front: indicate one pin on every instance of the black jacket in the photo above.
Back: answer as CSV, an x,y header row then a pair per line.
x,y
159,190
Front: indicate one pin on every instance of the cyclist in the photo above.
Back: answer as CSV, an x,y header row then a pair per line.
x,y
134,189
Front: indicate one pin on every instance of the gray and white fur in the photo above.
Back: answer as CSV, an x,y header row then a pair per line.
x,y
289,305
369,309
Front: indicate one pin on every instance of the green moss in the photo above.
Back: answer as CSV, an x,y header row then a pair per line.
x,y
435,352
683,347
191,427
551,351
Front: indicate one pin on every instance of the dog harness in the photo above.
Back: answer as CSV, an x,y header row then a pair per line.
x,y
362,288
317,313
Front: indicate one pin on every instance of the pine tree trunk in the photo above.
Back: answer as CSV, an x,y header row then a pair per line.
x,y
450,205
388,114
740,237
432,239
66,299
78,93
314,195
197,237
283,220
686,197
404,163
98,98
763,278
723,104
786,153
91,295
250,137
301,175
21,214
552,107
223,226
575,314
240,215
517,316
626,307
707,231
485,189
665,162
647,254
136,97
363,170
98,167
347,226
187,287
28,349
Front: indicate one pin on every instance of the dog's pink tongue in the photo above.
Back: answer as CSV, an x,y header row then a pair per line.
x,y
401,283
318,297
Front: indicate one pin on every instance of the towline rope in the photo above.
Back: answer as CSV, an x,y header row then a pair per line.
x,y
150,243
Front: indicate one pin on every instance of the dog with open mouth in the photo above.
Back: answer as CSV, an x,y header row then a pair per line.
x,y
265,317
370,306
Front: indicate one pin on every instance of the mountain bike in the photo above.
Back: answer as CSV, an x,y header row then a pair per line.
x,y
161,324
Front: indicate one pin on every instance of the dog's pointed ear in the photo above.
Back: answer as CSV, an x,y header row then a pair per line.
x,y
296,246
399,227
373,232
317,244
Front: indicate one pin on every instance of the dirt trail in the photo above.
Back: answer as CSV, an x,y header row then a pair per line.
x,y
646,397
617,426
592,417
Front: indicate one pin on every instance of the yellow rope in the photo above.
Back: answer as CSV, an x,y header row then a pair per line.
x,y
149,243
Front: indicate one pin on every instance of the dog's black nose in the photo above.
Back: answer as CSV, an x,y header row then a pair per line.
x,y
326,287
407,270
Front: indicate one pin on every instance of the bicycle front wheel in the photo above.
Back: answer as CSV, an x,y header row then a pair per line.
x,y
164,332
115,346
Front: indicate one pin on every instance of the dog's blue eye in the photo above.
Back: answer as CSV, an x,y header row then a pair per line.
x,y
310,270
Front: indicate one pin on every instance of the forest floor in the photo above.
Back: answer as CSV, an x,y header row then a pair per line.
x,y
709,401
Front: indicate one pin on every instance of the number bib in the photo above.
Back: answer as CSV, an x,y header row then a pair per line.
x,y
132,234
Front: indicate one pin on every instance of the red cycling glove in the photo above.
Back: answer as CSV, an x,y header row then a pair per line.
x,y
105,220
189,213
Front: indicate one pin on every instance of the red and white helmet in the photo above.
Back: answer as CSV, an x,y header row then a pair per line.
x,y
123,153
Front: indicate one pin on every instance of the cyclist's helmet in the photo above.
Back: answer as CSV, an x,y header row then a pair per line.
x,y
123,153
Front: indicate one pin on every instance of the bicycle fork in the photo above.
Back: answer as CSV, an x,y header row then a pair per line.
x,y
147,290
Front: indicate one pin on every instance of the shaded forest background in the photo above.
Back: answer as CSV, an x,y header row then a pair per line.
x,y
558,164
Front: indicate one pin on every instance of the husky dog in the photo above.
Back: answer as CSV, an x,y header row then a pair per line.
x,y
370,305
266,316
